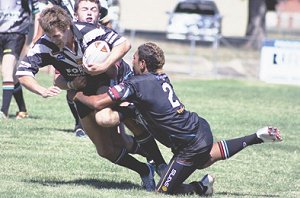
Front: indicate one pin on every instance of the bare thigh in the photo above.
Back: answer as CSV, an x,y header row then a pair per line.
x,y
107,140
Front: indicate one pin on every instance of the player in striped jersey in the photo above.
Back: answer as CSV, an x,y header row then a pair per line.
x,y
62,46
185,132
15,19
88,11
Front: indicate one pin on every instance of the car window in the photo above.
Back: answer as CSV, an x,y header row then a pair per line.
x,y
195,8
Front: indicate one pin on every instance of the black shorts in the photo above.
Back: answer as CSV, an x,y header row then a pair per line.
x,y
95,85
197,152
12,43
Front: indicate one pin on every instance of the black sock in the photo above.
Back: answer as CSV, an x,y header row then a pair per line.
x,y
137,149
8,89
18,95
73,111
230,147
150,146
130,162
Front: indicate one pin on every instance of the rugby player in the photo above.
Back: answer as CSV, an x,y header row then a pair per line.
x,y
62,46
88,11
186,133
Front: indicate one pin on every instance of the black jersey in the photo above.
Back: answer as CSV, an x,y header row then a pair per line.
x,y
164,114
15,15
68,64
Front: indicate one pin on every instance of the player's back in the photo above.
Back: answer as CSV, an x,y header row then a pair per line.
x,y
165,115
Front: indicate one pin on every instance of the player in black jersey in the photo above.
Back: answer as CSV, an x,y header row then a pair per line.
x,y
62,46
185,132
15,19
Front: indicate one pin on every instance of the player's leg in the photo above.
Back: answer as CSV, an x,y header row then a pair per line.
x,y
142,141
147,144
187,160
225,149
8,62
78,130
18,91
110,145
11,51
177,172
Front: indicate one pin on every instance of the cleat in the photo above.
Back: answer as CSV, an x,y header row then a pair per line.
x,y
205,186
79,132
161,169
21,115
269,134
148,181
207,182
3,116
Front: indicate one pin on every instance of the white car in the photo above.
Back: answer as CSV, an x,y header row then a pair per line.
x,y
194,19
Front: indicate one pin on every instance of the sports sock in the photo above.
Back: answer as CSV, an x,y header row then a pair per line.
x,y
73,111
228,148
18,95
8,89
137,149
150,146
130,162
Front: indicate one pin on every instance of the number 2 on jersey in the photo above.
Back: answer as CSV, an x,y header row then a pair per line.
x,y
167,88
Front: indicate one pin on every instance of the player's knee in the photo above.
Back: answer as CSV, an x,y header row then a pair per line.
x,y
106,118
107,153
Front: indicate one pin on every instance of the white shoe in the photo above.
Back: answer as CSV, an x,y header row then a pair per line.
x,y
208,182
148,181
269,134
3,116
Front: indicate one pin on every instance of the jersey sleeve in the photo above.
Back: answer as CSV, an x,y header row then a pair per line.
x,y
32,62
120,92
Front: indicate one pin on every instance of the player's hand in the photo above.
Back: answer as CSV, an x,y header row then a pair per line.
x,y
79,82
95,68
78,96
51,91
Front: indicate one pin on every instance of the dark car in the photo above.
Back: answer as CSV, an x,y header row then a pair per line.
x,y
194,19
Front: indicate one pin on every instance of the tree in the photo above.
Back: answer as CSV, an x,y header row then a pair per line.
x,y
256,28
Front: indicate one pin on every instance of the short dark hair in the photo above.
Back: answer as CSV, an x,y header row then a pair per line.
x,y
152,55
55,17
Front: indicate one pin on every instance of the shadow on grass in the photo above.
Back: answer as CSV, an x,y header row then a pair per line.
x,y
99,184
245,194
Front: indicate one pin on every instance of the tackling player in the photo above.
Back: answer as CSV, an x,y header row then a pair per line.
x,y
187,134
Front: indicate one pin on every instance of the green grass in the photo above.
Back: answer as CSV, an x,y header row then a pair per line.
x,y
41,157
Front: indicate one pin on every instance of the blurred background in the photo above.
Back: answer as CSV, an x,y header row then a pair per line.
x,y
253,39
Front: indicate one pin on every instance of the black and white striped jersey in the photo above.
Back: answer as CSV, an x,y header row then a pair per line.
x,y
67,63
15,15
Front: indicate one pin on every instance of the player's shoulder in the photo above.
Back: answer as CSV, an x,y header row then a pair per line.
x,y
141,80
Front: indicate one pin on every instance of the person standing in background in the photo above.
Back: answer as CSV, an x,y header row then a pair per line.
x,y
15,19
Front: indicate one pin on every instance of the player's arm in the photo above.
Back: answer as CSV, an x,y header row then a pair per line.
x,y
97,102
78,83
32,85
117,53
116,93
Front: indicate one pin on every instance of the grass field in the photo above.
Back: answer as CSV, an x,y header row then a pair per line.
x,y
41,157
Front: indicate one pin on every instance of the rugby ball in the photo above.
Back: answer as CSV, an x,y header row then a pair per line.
x,y
96,52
